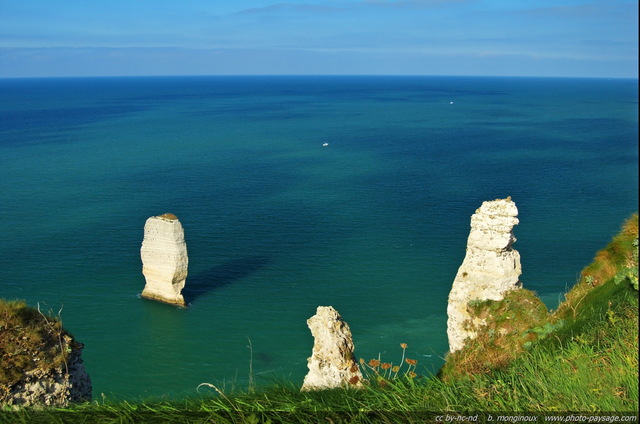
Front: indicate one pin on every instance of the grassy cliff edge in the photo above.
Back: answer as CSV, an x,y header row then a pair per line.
x,y
582,357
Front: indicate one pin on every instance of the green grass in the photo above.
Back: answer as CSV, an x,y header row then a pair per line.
x,y
582,357
591,366
511,326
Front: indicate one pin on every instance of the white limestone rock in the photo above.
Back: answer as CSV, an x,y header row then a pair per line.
x,y
490,268
332,363
164,259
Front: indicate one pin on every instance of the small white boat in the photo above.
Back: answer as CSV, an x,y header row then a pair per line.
x,y
325,144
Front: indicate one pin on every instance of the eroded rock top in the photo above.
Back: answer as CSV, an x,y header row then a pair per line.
x,y
168,216
492,225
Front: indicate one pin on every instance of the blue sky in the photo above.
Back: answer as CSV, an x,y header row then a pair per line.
x,y
580,38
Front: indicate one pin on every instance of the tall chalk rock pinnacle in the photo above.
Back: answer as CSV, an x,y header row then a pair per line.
x,y
490,268
332,363
164,259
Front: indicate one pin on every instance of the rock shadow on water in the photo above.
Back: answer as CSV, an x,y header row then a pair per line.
x,y
221,275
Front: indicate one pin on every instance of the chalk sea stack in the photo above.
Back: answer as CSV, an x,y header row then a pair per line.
x,y
164,259
332,363
490,269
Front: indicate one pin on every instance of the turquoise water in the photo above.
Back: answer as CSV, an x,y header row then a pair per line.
x,y
276,224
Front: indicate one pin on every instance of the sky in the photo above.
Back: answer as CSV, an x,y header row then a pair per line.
x,y
561,38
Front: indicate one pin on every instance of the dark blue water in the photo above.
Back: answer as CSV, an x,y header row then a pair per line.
x,y
276,224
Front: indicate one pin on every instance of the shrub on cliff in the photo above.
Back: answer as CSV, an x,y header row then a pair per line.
x,y
509,326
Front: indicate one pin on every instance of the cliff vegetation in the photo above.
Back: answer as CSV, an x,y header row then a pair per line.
x,y
30,341
40,362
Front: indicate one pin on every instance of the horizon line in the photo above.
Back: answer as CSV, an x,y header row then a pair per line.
x,y
315,76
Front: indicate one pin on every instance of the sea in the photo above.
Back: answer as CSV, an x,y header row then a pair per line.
x,y
294,192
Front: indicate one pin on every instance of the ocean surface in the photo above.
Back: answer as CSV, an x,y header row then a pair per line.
x,y
276,223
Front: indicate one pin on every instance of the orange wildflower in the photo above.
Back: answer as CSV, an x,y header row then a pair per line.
x,y
411,361
354,379
412,374
395,369
374,363
385,366
403,345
